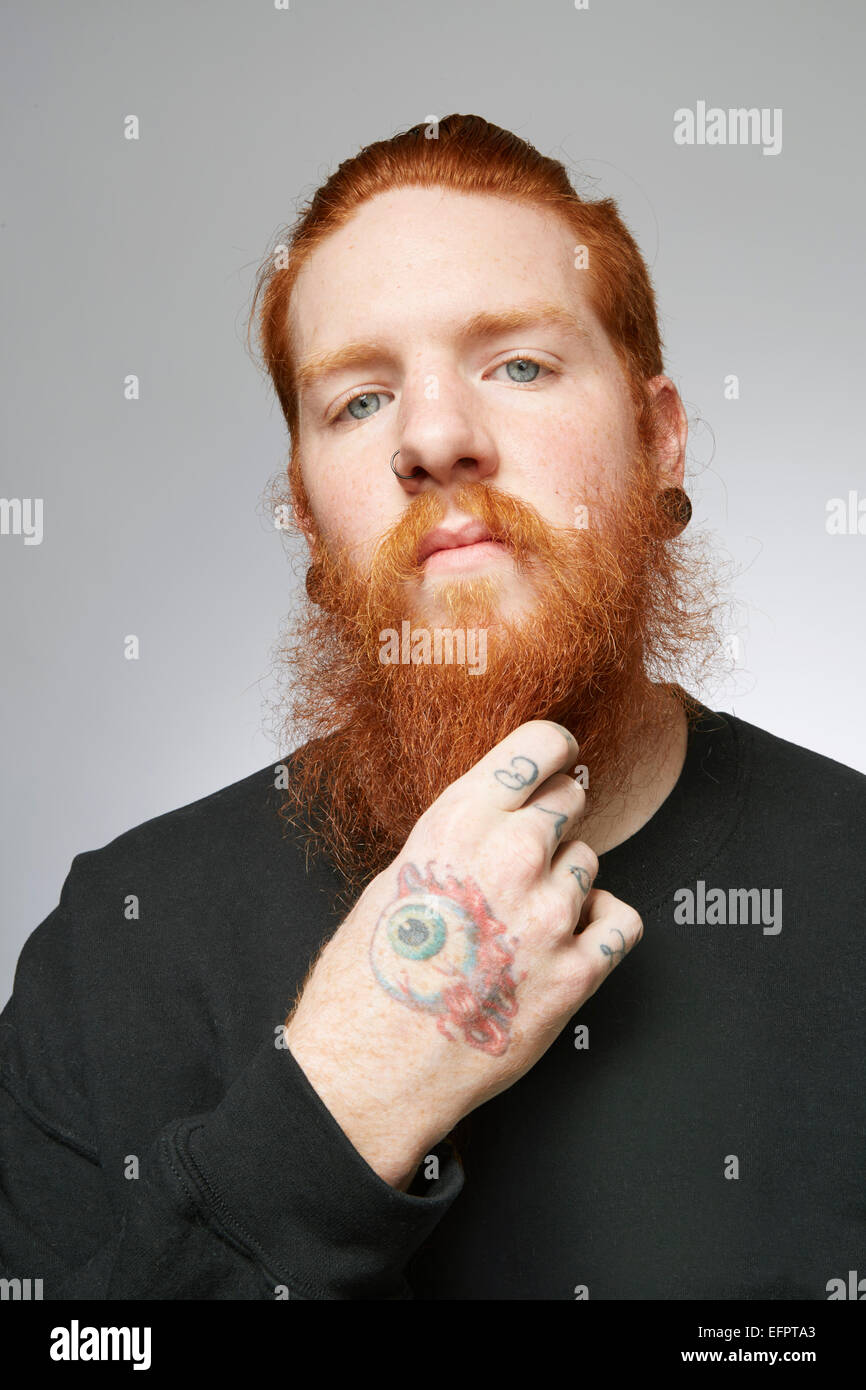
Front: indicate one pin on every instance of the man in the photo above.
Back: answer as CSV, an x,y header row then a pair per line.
x,y
367,1025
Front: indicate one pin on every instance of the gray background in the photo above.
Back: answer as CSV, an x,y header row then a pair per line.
x,y
124,257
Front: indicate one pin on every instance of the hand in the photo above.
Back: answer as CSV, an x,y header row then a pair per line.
x,y
463,960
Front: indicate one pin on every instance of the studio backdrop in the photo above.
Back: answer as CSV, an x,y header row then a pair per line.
x,y
150,153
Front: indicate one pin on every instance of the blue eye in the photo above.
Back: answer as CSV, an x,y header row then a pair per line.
x,y
365,398
523,365
522,370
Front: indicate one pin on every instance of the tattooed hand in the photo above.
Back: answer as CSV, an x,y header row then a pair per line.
x,y
463,961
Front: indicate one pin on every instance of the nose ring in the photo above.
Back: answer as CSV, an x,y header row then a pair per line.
x,y
401,475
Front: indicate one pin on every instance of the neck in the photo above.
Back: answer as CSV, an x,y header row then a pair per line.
x,y
659,753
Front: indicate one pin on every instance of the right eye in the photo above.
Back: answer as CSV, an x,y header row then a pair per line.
x,y
361,406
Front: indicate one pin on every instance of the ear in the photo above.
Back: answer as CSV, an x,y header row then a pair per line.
x,y
304,522
302,517
672,432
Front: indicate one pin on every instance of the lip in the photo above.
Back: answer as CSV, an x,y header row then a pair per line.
x,y
472,533
464,557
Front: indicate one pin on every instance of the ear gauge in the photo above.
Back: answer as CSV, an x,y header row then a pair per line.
x,y
675,509
313,584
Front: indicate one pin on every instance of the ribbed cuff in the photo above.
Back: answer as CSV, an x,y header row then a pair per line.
x,y
275,1169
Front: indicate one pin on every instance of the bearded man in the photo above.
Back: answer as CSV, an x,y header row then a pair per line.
x,y
367,1036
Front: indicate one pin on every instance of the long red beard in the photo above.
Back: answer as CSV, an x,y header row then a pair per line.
x,y
619,605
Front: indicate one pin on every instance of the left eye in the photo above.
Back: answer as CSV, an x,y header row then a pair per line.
x,y
526,369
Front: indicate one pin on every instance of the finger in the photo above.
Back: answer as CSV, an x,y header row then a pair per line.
x,y
606,932
509,774
554,811
573,870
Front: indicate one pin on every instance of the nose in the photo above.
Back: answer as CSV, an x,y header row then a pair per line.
x,y
441,439
416,472
438,445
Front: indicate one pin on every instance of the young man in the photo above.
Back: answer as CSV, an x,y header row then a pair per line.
x,y
240,1054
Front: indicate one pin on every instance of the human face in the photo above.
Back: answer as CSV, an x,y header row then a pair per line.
x,y
394,328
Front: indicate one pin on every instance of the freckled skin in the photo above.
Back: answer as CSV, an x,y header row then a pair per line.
x,y
411,266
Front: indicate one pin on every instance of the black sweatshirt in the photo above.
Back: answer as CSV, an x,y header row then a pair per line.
x,y
695,1132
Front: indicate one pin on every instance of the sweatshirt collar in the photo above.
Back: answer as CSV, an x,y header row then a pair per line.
x,y
693,822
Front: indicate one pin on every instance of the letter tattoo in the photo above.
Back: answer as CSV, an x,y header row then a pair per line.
x,y
582,876
615,951
560,820
515,780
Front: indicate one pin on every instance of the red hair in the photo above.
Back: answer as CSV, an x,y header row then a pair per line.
x,y
468,155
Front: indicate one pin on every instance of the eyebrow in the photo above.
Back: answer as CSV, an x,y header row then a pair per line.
x,y
486,324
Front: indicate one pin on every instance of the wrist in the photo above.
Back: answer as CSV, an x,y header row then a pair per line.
x,y
392,1142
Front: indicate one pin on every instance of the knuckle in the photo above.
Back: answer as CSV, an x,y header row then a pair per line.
x,y
526,846
446,820
572,793
633,920
627,915
556,784
452,795
558,914
547,737
582,981
588,857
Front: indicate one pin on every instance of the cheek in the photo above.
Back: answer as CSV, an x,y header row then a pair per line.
x,y
577,459
348,510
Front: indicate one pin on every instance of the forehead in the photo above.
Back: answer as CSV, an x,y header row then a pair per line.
x,y
428,258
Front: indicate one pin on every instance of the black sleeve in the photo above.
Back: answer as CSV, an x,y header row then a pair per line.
x,y
261,1197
